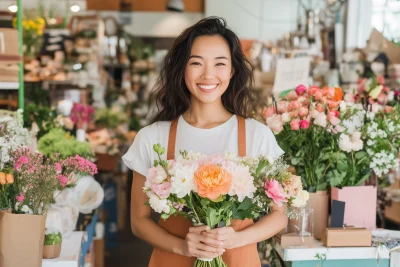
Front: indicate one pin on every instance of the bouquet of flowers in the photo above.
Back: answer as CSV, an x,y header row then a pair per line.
x,y
215,189
81,115
374,90
305,123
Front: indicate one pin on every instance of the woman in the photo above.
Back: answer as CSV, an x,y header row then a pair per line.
x,y
203,95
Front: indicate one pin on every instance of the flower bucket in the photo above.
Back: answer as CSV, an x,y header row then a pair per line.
x,y
21,239
360,207
51,251
319,202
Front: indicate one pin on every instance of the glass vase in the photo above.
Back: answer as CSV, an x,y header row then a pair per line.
x,y
302,221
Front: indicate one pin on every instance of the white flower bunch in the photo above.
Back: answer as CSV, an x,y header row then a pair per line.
x,y
12,136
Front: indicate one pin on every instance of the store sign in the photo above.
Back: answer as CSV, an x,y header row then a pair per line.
x,y
290,72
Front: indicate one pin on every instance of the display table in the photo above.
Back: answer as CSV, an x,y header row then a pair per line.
x,y
70,252
343,257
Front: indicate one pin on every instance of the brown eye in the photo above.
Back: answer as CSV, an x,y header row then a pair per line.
x,y
195,63
221,64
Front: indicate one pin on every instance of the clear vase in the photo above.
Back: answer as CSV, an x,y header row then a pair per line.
x,y
302,221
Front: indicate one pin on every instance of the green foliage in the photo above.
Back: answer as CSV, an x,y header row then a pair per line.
x,y
52,239
44,117
59,141
110,118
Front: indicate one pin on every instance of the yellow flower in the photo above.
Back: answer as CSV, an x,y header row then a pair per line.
x,y
40,32
67,136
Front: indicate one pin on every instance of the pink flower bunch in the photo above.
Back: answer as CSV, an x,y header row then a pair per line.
x,y
79,165
374,89
39,177
302,107
293,186
81,115
158,182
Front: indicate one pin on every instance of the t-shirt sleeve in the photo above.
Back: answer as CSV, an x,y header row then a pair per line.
x,y
138,158
268,144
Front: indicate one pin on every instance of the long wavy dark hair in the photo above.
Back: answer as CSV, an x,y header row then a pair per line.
x,y
171,93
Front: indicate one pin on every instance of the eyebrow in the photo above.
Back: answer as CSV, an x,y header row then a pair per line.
x,y
195,56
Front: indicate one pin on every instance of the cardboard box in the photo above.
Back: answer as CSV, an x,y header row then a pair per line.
x,y
292,239
9,45
392,210
9,72
347,237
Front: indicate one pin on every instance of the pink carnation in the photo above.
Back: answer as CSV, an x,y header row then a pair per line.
x,y
58,167
274,190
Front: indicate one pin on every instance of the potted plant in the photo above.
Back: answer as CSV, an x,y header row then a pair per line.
x,y
52,244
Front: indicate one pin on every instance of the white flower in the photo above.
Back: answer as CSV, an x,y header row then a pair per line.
x,y
300,200
158,205
351,143
242,182
182,182
286,117
51,230
320,119
375,107
373,135
342,105
370,142
370,115
390,96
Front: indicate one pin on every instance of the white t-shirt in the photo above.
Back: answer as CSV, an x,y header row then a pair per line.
x,y
259,141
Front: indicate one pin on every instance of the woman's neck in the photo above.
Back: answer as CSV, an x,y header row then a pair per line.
x,y
206,115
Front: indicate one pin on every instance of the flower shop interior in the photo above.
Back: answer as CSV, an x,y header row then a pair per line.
x,y
76,80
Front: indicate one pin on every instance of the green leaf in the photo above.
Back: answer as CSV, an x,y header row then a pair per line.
x,y
365,177
361,155
165,216
335,177
295,161
212,217
322,186
52,239
285,93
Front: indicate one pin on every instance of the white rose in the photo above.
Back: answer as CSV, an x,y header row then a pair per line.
x,y
344,143
320,119
342,105
300,200
286,117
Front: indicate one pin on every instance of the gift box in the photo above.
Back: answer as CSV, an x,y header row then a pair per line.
x,y
293,239
347,237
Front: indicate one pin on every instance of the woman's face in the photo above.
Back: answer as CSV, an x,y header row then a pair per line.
x,y
209,68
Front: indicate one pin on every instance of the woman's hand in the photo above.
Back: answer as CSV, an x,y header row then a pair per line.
x,y
201,246
226,235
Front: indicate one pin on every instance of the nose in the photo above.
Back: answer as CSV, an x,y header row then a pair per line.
x,y
208,72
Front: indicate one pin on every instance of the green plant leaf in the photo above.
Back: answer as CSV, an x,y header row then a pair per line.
x,y
52,239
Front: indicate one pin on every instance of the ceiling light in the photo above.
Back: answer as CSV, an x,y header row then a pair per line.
x,y
13,8
75,8
175,5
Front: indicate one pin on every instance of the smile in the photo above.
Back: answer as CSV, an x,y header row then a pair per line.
x,y
207,88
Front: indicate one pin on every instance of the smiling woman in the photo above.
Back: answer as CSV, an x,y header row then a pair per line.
x,y
206,64
205,97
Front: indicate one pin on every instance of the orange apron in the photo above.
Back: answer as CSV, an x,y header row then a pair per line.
x,y
246,256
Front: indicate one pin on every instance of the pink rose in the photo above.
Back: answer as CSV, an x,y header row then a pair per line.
x,y
301,89
162,190
388,109
303,112
275,123
282,106
295,124
294,105
303,100
318,95
292,96
274,190
294,114
269,111
333,119
380,80
329,92
349,98
304,124
320,108
156,175
333,104
313,90
334,113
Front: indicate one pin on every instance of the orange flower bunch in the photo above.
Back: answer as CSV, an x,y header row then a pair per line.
x,y
212,181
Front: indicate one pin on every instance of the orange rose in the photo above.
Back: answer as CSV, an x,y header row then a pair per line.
x,y
338,94
2,178
10,178
212,181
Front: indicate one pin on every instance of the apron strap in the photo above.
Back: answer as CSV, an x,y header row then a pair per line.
x,y
172,139
241,138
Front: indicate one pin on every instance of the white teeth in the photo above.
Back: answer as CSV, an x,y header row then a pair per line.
x,y
207,87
